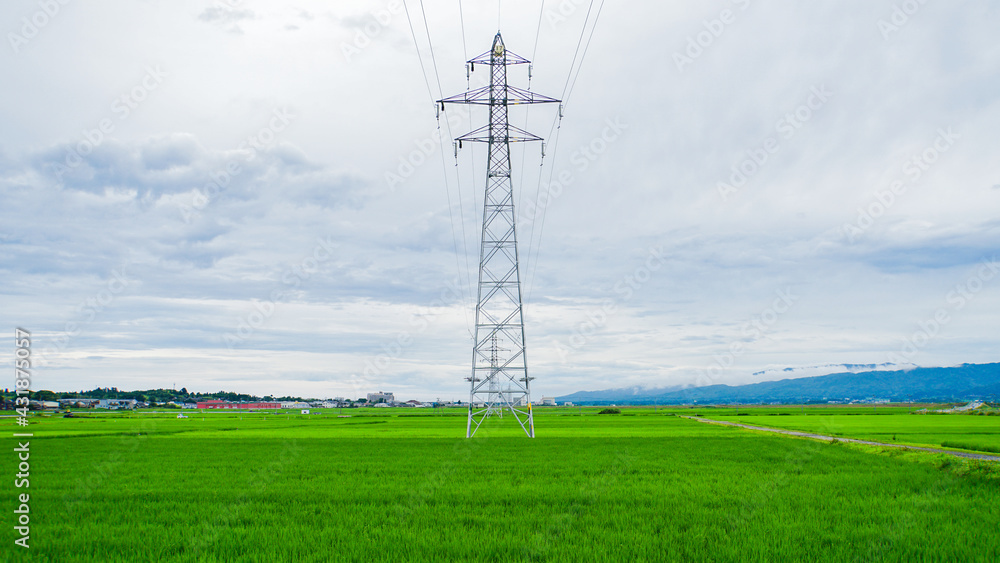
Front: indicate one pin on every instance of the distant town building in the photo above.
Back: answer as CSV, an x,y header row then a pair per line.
x,y
98,403
39,405
219,404
549,401
381,397
294,405
78,403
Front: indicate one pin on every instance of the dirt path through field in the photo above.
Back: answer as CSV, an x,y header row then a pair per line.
x,y
842,439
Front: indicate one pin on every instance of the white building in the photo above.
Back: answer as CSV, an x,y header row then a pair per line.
x,y
549,401
294,405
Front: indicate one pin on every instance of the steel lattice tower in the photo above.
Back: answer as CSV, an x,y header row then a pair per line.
x,y
499,380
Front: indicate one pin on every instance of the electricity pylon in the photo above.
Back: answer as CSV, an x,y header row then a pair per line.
x,y
499,380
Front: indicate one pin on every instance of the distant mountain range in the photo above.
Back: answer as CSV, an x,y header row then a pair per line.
x,y
960,383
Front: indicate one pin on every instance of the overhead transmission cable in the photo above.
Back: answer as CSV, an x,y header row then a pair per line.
x,y
472,147
538,184
567,92
584,55
555,144
447,187
444,165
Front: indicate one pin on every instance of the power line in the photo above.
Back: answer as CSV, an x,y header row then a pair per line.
x,y
569,77
475,205
577,52
555,145
538,30
585,48
431,45
461,17
447,188
541,227
567,91
538,185
444,166
420,58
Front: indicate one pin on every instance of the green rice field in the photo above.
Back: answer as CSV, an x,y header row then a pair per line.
x,y
405,485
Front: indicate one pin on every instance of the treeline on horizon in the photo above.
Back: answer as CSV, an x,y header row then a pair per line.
x,y
148,395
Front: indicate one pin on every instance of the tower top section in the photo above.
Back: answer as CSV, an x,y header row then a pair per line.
x,y
498,92
498,55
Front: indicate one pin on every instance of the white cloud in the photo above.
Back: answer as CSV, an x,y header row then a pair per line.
x,y
200,259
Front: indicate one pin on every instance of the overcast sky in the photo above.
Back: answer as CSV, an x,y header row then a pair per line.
x,y
251,196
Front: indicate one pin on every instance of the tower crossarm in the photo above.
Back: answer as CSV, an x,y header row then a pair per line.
x,y
515,96
499,56
514,135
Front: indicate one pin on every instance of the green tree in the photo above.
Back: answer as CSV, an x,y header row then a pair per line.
x,y
44,395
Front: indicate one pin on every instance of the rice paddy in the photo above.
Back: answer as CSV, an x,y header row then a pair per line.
x,y
405,485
